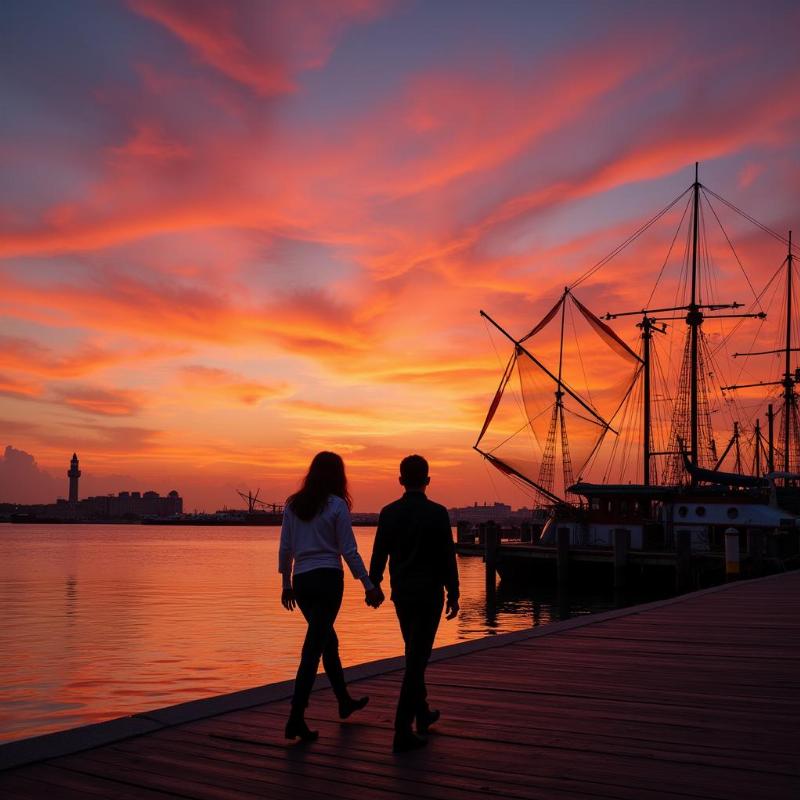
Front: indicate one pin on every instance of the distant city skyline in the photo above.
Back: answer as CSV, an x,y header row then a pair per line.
x,y
22,480
11,491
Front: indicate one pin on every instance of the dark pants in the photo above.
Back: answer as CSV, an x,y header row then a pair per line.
x,y
419,616
319,597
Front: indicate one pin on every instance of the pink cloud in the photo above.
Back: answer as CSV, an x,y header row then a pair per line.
x,y
259,45
150,143
748,174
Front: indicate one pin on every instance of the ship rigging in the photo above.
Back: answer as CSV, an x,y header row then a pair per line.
x,y
668,410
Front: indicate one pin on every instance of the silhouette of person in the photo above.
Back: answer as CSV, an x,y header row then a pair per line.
x,y
414,535
316,534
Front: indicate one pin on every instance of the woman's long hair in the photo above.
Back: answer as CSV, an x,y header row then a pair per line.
x,y
325,477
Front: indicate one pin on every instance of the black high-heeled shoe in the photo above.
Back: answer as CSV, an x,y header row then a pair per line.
x,y
426,719
297,728
350,705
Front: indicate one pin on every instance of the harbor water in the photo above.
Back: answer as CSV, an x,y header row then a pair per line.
x,y
100,621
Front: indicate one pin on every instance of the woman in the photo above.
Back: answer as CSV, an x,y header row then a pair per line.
x,y
316,534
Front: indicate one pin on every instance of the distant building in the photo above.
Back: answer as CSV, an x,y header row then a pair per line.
x,y
129,505
121,506
73,475
364,518
475,514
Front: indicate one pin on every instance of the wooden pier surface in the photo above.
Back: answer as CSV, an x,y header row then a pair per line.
x,y
696,699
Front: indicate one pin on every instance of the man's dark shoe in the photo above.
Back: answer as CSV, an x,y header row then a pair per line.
x,y
350,705
426,719
405,741
297,728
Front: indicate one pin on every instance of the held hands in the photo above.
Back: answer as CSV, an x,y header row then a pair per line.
x,y
287,599
451,609
374,597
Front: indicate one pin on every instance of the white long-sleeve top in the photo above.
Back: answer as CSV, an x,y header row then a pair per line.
x,y
321,542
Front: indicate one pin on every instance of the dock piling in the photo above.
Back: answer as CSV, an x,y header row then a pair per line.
x,y
562,561
731,554
621,541
491,543
683,560
755,548
526,532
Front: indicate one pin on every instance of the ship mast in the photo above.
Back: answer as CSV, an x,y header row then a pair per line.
x,y
771,439
647,325
694,319
647,335
757,450
788,378
558,412
789,381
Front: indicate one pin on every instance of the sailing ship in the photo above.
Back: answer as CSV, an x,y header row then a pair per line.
x,y
620,411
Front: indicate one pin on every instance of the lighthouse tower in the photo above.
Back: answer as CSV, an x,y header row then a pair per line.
x,y
73,475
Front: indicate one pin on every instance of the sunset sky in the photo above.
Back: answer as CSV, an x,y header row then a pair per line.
x,y
234,234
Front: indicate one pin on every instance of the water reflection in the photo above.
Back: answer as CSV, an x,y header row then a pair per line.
x,y
102,620
71,598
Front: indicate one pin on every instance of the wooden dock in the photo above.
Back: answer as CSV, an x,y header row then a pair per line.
x,y
696,697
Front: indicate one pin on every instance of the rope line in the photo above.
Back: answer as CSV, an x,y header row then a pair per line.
x,y
632,238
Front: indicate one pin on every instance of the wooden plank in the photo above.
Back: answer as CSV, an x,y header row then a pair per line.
x,y
20,787
553,719
376,769
191,782
541,737
278,778
54,783
373,756
602,719
504,742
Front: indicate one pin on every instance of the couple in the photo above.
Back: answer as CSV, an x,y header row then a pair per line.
x,y
414,535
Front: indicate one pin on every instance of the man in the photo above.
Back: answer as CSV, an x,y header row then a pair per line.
x,y
414,534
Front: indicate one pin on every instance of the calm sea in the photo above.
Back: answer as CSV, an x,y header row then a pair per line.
x,y
99,621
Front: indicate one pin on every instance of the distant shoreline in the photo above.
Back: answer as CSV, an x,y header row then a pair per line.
x,y
165,523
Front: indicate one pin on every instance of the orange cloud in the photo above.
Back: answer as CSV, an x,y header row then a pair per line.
x,y
303,322
105,402
24,355
33,358
106,442
219,383
13,387
328,409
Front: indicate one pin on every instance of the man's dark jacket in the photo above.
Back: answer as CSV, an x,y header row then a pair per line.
x,y
414,534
